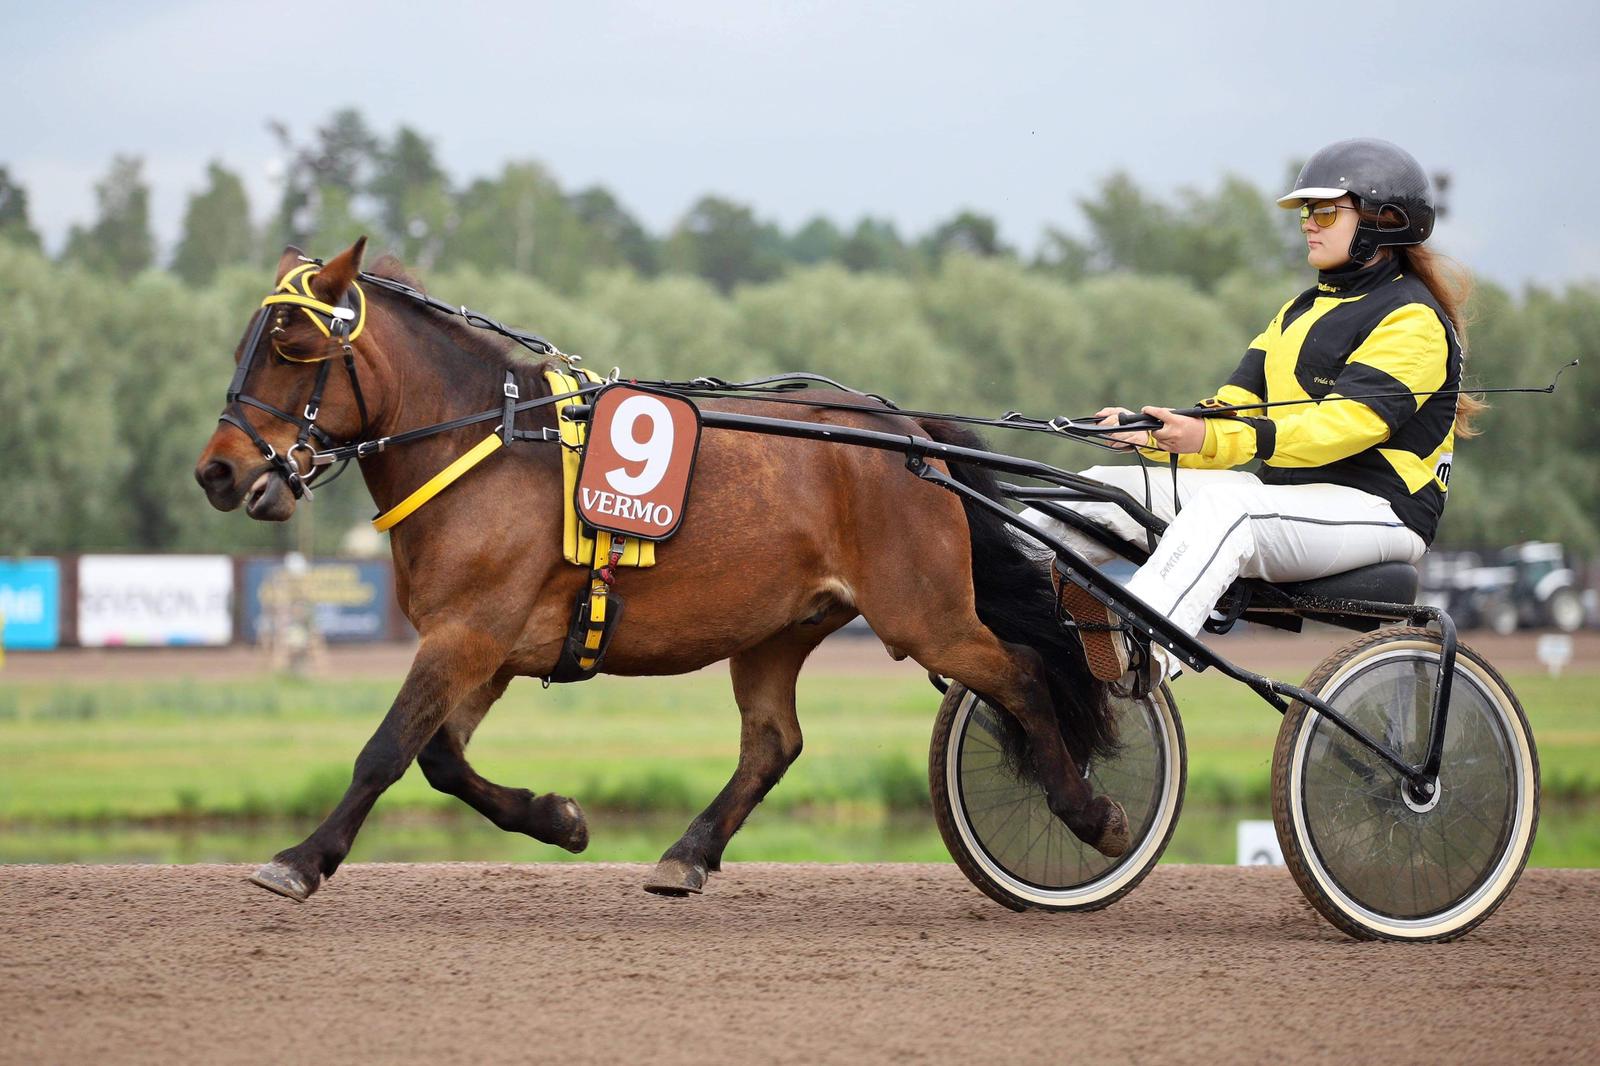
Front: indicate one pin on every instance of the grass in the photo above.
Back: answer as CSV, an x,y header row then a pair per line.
x,y
74,757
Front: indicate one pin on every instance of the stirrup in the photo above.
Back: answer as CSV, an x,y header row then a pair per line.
x,y
1144,668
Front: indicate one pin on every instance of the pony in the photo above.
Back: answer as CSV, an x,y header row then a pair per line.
x,y
782,542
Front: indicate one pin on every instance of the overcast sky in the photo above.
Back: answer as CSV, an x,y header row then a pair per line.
x,y
906,110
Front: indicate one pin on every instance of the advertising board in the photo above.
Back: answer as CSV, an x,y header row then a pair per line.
x,y
155,600
348,599
30,603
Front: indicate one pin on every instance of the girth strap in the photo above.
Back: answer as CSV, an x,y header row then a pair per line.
x,y
595,615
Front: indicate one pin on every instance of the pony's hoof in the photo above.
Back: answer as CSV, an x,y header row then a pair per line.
x,y
674,877
576,827
1114,836
276,877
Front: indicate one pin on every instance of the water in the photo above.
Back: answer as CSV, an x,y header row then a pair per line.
x,y
1569,835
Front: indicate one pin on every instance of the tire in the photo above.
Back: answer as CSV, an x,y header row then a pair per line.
x,y
1372,860
1501,616
1054,871
1565,610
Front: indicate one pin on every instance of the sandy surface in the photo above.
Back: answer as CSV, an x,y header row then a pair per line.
x,y
804,963
1287,656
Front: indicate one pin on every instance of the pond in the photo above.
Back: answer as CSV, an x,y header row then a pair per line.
x,y
1569,835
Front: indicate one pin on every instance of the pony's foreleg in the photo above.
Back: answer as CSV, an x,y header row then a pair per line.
x,y
449,664
769,741
548,818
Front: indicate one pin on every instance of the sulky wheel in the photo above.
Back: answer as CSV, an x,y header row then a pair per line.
x,y
1000,830
1377,861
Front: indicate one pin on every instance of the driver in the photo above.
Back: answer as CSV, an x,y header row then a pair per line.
x,y
1341,485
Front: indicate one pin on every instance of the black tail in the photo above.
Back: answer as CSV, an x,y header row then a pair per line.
x,y
1016,600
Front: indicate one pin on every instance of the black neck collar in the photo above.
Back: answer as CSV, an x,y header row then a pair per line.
x,y
1354,279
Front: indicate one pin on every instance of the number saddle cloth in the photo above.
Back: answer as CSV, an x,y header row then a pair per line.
x,y
598,607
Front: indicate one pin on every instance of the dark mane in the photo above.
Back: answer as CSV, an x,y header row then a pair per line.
x,y
478,356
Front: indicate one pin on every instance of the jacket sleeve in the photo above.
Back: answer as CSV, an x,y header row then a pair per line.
x,y
1246,385
1406,352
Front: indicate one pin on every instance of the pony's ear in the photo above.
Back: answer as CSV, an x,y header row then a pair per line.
x,y
287,261
333,280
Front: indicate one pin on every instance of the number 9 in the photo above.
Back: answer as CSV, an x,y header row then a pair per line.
x,y
655,451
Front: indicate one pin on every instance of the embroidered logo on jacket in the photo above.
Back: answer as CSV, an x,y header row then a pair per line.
x,y
1441,470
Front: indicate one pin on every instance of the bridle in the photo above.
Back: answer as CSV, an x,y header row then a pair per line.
x,y
341,323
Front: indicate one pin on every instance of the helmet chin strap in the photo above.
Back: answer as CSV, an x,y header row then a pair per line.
x,y
1363,247
1369,238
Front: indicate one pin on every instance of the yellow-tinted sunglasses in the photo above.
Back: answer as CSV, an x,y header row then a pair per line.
x,y
1324,215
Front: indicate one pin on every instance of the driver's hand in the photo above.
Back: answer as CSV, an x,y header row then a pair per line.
x,y
1122,442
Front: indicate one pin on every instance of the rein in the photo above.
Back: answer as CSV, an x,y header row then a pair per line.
x,y
344,322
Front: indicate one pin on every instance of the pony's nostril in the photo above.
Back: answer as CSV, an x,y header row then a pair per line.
x,y
216,474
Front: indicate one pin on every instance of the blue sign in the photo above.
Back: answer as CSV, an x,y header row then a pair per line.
x,y
345,600
30,602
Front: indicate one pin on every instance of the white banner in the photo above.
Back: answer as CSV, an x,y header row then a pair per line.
x,y
1258,844
154,599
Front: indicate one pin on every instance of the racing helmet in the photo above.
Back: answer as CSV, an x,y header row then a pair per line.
x,y
1382,177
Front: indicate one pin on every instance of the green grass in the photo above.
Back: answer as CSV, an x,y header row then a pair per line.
x,y
74,757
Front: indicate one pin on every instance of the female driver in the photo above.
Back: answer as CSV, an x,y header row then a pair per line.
x,y
1342,485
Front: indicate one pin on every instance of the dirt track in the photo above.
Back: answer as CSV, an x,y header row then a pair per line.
x,y
548,963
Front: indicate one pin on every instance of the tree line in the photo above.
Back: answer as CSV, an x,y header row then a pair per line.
x,y
112,371
343,179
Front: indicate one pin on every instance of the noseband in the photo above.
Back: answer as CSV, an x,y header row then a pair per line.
x,y
341,323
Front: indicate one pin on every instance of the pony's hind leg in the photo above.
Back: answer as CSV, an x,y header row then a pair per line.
x,y
769,741
449,664
1013,676
548,818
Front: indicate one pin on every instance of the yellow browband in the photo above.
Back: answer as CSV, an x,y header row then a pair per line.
x,y
295,291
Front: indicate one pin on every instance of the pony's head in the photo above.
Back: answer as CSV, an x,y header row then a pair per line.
x,y
296,389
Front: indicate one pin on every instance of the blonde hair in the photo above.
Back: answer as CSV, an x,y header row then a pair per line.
x,y
1451,286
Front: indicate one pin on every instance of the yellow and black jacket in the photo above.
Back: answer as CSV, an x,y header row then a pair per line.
x,y
1356,332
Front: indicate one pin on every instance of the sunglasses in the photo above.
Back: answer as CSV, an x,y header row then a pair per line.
x,y
1324,215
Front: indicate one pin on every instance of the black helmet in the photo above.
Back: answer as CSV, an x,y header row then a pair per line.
x,y
1380,176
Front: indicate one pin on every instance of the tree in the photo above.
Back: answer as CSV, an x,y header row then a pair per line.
x,y
875,246
1203,237
323,181
969,233
1018,339
61,480
724,243
866,331
119,242
816,242
14,224
521,222
618,236
216,228
412,192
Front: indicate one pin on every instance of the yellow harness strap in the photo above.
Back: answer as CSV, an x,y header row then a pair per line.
x,y
606,558
437,484
577,541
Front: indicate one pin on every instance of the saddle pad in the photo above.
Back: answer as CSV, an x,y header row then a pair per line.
x,y
578,538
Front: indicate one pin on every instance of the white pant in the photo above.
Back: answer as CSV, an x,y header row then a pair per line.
x,y
1232,525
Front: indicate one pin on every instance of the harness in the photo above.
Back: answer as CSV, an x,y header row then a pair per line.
x,y
598,607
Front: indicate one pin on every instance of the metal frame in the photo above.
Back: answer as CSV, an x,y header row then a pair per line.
x,y
1145,622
